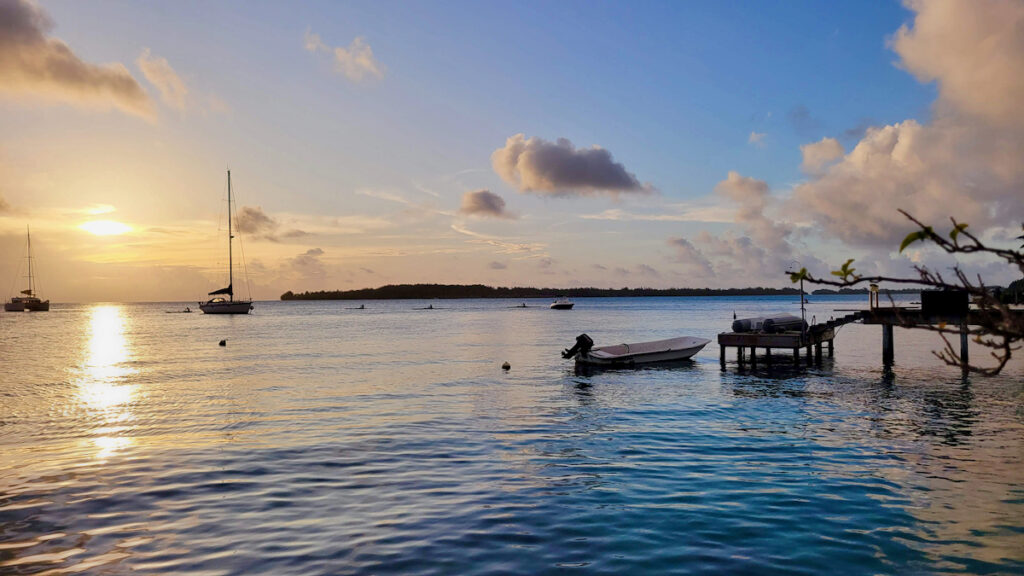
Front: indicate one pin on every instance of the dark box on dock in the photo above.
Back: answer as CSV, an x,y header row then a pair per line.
x,y
944,302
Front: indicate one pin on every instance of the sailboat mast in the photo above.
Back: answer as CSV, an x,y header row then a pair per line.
x,y
231,267
31,283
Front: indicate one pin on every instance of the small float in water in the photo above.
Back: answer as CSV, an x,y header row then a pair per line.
x,y
668,350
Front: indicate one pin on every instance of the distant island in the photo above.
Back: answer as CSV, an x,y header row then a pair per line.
x,y
847,291
455,291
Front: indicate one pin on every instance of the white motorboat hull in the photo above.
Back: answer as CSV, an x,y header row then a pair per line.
x,y
670,350
240,307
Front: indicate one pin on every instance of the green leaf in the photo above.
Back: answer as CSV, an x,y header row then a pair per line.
x,y
913,237
798,276
956,231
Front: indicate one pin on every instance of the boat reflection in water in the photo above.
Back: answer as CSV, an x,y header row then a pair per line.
x,y
103,388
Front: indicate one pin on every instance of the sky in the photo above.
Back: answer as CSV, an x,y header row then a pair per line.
x,y
556,144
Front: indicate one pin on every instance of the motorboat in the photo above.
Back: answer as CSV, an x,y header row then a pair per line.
x,y
562,304
668,350
229,305
28,300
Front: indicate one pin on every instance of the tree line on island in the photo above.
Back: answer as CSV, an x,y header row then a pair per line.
x,y
455,291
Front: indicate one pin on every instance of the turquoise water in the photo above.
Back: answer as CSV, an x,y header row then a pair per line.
x,y
326,440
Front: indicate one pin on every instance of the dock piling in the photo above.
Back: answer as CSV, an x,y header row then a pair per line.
x,y
964,359
887,345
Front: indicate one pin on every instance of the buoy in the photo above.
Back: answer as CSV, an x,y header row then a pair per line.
x,y
506,366
223,342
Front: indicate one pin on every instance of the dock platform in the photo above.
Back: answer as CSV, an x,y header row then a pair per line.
x,y
819,335
814,339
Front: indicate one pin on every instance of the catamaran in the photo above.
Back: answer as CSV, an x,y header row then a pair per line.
x,y
28,300
220,305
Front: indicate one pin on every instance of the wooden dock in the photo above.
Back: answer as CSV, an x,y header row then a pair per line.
x,y
819,335
813,340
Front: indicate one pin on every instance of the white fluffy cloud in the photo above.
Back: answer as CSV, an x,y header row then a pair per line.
x,y
966,161
819,154
356,62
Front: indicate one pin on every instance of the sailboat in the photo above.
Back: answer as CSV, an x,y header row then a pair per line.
x,y
28,299
220,305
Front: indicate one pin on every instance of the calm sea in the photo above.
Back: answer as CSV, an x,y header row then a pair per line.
x,y
329,440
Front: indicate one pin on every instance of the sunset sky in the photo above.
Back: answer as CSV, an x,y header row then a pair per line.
x,y
674,144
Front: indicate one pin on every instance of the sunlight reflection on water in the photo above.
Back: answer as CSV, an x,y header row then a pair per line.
x,y
388,440
104,385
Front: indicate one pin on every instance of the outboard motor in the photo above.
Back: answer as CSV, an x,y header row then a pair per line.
x,y
583,345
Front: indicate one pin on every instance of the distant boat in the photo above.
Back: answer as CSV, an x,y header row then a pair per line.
x,y
28,300
669,350
562,304
221,305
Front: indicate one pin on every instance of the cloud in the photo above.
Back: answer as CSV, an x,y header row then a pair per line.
x,y
752,197
504,247
356,62
308,265
484,203
160,74
757,139
256,223
965,162
802,122
973,49
560,169
762,250
691,257
35,65
497,265
679,212
645,270
819,154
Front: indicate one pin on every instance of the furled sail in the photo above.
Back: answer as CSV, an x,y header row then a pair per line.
x,y
227,290
27,292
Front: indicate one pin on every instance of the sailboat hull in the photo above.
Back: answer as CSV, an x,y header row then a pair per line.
x,y
37,306
14,307
240,307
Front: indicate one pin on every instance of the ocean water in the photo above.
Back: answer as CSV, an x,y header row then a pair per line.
x,y
327,440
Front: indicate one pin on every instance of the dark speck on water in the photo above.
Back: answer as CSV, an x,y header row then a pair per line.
x,y
384,442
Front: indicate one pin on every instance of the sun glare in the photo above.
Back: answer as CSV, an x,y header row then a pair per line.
x,y
105,227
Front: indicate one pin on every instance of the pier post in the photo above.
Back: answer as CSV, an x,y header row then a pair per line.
x,y
964,358
831,348
768,355
817,352
753,356
808,354
722,352
887,345
796,356
739,354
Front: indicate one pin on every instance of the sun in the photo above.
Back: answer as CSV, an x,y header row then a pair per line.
x,y
105,227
